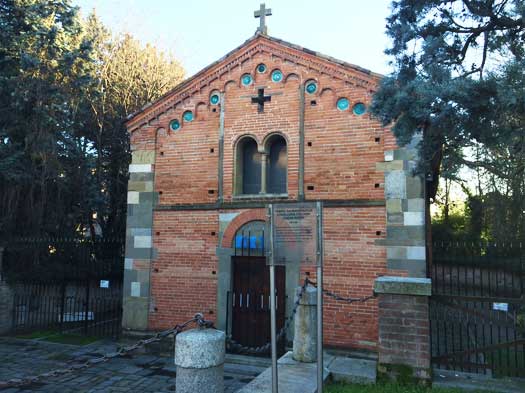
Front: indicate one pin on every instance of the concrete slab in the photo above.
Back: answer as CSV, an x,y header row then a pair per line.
x,y
476,382
293,376
351,370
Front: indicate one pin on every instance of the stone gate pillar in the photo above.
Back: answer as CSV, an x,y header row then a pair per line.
x,y
404,334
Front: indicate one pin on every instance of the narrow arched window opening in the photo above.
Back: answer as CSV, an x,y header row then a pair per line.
x,y
276,179
248,171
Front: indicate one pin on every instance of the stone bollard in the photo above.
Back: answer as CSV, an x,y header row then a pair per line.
x,y
305,335
199,357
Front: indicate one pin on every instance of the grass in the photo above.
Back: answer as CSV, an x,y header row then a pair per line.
x,y
57,337
386,388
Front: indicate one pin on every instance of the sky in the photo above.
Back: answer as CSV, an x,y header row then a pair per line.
x,y
198,32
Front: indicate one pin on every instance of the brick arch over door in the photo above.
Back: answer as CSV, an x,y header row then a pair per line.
x,y
239,221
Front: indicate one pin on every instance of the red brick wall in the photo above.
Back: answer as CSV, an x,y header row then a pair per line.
x,y
185,283
351,263
182,278
404,331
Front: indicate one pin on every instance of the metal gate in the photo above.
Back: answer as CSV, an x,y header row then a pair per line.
x,y
66,286
477,308
249,299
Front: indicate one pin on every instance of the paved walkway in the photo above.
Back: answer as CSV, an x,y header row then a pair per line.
x,y
141,372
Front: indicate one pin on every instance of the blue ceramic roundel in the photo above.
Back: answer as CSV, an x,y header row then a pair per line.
x,y
359,109
277,76
261,68
174,125
343,104
214,99
311,87
188,116
246,79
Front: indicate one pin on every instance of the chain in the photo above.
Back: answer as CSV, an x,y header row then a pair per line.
x,y
198,319
340,298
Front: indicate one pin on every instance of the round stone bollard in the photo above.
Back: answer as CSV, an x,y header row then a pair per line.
x,y
199,357
305,333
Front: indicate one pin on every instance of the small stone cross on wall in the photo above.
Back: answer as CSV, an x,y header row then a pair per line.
x,y
260,99
262,13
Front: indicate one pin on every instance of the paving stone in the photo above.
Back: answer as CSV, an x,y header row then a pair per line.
x,y
145,373
293,376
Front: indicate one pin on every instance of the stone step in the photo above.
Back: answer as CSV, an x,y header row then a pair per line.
x,y
249,360
293,376
352,370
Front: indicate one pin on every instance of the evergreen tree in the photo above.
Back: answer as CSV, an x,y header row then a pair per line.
x,y
459,77
66,87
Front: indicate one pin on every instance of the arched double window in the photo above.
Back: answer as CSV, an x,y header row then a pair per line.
x,y
263,172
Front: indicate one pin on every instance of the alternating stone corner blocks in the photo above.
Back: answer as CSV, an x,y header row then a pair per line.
x,y
404,329
405,208
139,247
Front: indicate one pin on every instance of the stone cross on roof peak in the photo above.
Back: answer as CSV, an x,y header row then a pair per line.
x,y
262,13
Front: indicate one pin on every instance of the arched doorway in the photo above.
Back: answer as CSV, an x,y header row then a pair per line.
x,y
250,295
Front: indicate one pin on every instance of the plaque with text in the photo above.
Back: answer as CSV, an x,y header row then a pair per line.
x,y
294,233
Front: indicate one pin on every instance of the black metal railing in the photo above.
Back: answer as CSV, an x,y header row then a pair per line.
x,y
64,285
477,308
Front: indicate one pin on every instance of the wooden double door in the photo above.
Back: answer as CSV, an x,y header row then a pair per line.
x,y
251,300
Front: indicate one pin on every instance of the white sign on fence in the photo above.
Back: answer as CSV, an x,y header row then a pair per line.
x,y
500,306
104,283
78,316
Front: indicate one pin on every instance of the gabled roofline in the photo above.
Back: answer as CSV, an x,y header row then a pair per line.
x,y
287,44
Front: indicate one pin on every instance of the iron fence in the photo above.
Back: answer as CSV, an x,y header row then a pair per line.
x,y
477,308
71,286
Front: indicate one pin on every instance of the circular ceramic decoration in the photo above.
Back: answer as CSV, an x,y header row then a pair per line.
x,y
215,99
343,104
246,79
311,87
261,68
277,76
188,116
359,109
174,125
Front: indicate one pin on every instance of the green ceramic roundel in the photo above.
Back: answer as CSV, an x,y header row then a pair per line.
x,y
277,76
311,87
188,116
174,125
343,104
261,68
214,99
359,108
246,79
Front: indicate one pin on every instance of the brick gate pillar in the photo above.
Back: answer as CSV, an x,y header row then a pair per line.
x,y
404,334
404,329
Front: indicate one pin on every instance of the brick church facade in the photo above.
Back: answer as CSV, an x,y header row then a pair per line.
x,y
269,122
